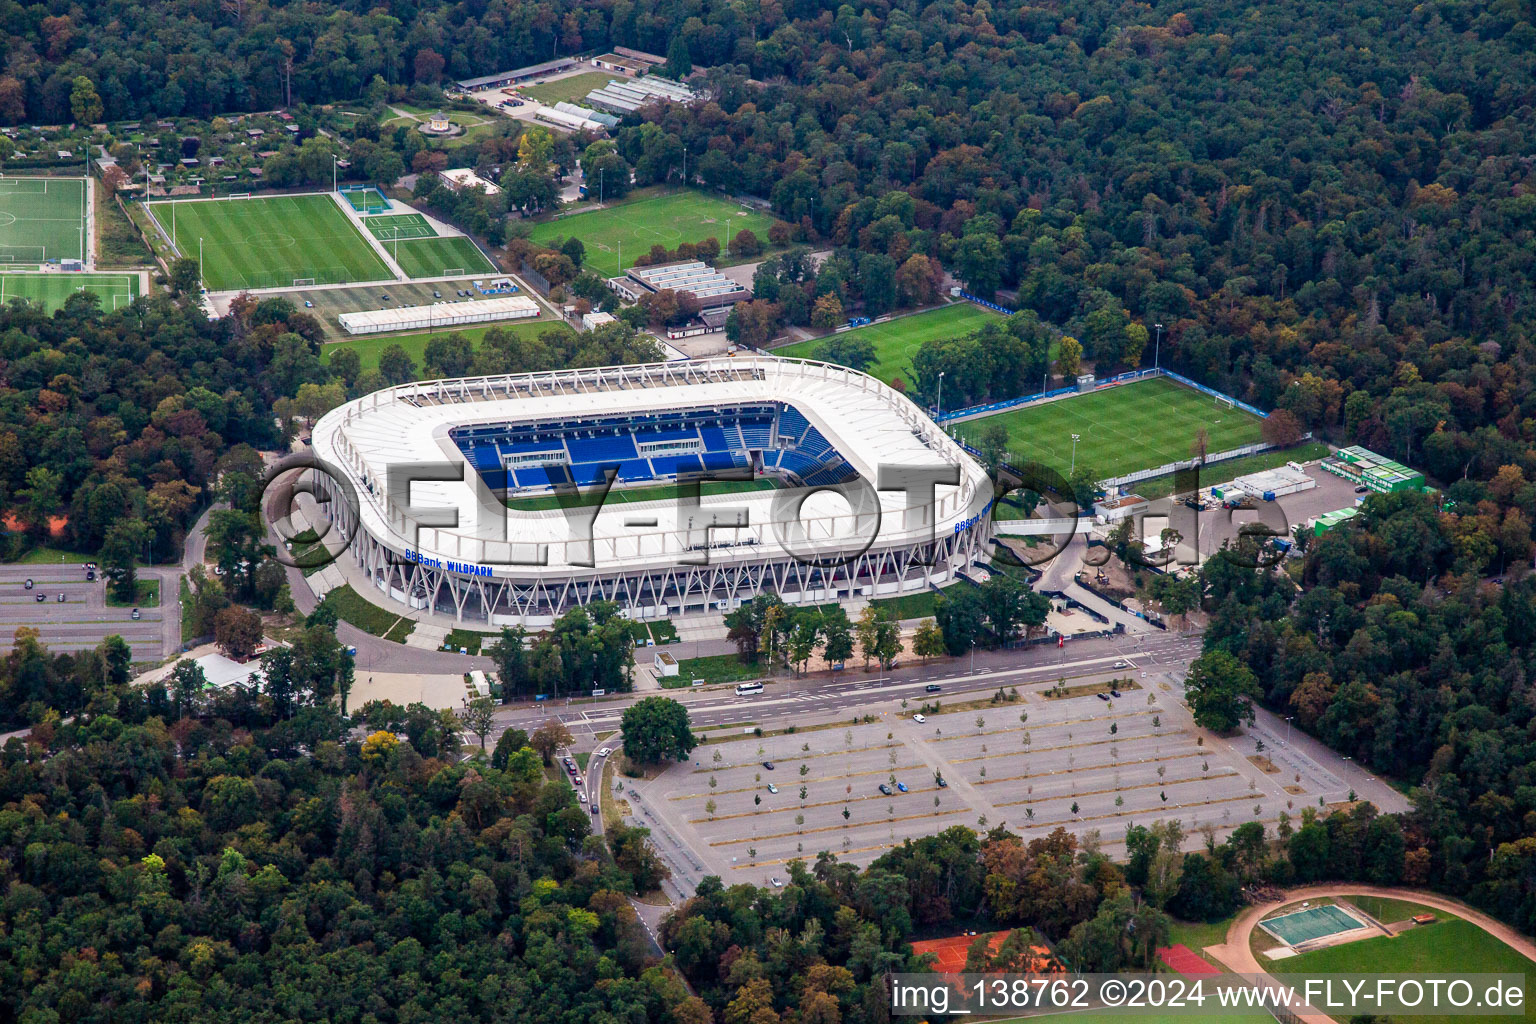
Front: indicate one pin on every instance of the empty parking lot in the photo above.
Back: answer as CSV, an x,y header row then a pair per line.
x,y
1043,761
83,619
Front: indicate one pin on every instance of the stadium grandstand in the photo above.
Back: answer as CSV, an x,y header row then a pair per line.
x,y
815,453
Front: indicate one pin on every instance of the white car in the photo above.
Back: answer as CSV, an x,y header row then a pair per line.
x,y
919,719
775,882
1120,664
603,752
581,796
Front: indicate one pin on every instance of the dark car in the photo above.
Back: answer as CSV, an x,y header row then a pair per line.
x,y
1114,693
29,584
1102,696
1361,489
942,782
885,789
768,765
61,598
933,688
41,598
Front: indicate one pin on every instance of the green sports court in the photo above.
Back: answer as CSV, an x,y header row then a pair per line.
x,y
452,256
365,200
42,219
637,224
270,241
1120,429
897,341
1302,926
50,290
392,226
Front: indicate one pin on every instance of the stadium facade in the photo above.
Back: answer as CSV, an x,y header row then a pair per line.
x,y
841,488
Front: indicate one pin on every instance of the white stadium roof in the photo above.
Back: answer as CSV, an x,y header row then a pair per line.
x,y
869,424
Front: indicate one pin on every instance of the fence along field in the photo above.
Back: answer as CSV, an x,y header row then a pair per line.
x,y
270,242
41,219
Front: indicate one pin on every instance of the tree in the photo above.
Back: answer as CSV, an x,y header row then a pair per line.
x,y
928,641
1281,428
186,276
679,63
550,737
510,654
477,716
852,350
119,557
827,312
84,105
656,728
1220,689
237,631
187,684
837,647
1069,358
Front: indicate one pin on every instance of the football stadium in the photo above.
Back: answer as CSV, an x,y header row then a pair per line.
x,y
855,491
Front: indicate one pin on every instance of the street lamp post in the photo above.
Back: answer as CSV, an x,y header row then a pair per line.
x,y
941,394
1288,719
1157,352
1075,439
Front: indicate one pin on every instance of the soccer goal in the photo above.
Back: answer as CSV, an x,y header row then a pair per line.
x,y
453,272
303,282
1225,403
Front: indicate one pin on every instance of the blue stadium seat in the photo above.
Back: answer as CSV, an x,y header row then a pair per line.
x,y
671,465
715,440
601,449
792,424
635,469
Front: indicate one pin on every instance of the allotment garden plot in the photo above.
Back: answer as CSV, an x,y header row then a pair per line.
x,y
1078,762
270,242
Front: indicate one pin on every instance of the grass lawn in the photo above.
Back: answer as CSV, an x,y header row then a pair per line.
x,y
351,607
42,219
440,257
630,495
1450,944
52,556
897,341
1122,429
718,668
400,630
910,606
570,90
1198,934
1390,911
271,241
185,596
50,290
467,639
1220,472
637,224
146,594
370,348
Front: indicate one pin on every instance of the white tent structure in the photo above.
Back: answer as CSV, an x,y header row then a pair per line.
x,y
439,314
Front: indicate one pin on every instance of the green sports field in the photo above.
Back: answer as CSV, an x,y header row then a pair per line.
x,y
270,242
439,257
42,219
1122,429
1450,944
50,290
897,341
366,201
388,227
638,224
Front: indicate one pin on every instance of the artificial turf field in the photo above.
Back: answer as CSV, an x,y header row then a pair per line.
x,y
270,242
1123,428
897,341
50,290
390,226
366,200
637,225
42,219
439,257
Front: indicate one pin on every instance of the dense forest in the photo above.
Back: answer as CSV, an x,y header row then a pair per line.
x,y
222,859
1395,650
